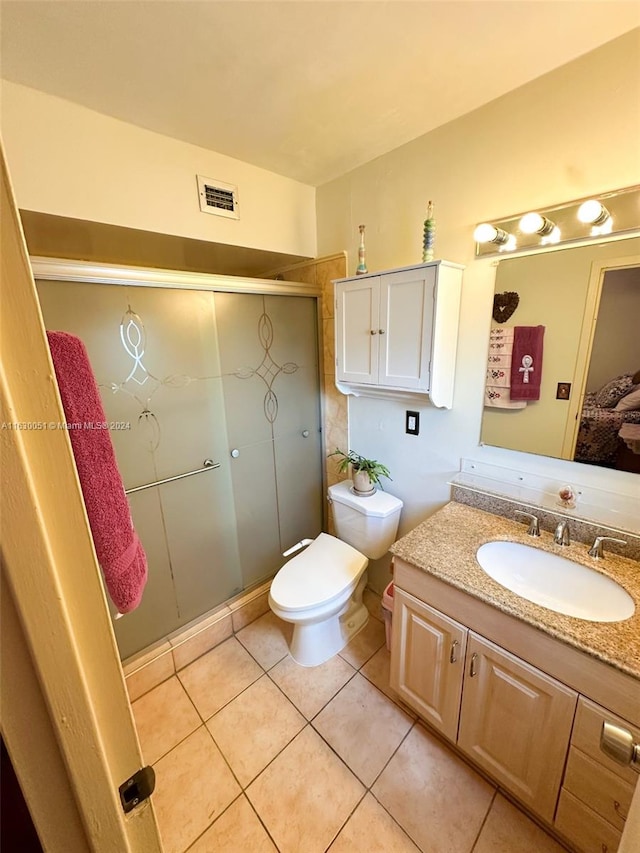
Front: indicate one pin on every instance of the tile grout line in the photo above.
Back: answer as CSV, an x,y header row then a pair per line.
x,y
484,820
307,723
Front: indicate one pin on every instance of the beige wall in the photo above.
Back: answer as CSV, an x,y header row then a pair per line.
x,y
70,161
567,135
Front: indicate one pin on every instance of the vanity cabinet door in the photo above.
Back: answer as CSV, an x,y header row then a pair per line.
x,y
427,661
515,722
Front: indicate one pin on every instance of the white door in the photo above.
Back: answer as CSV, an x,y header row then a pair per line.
x,y
50,567
404,334
357,330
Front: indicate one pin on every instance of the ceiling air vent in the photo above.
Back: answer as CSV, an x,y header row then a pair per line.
x,y
218,197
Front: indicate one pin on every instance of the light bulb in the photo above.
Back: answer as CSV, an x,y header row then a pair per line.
x,y
487,233
535,223
593,212
552,237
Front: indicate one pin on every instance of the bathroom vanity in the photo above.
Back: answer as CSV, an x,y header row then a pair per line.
x,y
521,690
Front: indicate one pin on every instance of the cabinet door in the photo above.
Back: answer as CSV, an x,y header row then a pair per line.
x,y
427,661
404,336
515,722
357,330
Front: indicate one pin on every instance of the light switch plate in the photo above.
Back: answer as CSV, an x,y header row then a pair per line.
x,y
412,424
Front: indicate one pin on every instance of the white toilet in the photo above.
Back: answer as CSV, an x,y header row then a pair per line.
x,y
320,590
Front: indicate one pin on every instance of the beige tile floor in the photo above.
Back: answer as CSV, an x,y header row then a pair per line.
x,y
254,753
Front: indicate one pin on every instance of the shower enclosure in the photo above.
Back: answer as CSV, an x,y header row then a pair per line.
x,y
212,395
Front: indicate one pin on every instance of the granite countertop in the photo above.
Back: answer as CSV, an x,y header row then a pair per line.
x,y
445,545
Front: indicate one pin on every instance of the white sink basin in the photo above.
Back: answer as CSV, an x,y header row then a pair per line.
x,y
555,582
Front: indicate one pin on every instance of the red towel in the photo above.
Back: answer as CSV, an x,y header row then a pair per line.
x,y
120,554
526,362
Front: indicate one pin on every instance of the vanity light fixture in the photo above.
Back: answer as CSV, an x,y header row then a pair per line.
x,y
610,215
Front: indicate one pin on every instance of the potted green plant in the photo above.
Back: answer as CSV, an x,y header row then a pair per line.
x,y
366,473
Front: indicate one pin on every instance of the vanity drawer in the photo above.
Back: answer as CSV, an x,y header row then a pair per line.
x,y
603,791
586,737
583,827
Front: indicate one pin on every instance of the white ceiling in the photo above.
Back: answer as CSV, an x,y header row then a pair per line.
x,y
305,89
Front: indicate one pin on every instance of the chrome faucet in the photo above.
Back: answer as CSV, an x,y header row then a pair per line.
x,y
562,536
597,551
534,525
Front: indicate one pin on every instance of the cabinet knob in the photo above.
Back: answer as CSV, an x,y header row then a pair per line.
x,y
472,667
452,656
381,331
374,331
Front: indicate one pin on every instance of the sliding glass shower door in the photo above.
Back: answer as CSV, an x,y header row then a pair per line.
x,y
223,384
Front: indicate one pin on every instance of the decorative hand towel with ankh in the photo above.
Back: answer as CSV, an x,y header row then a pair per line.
x,y
526,362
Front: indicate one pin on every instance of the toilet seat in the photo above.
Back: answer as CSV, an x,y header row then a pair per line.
x,y
322,572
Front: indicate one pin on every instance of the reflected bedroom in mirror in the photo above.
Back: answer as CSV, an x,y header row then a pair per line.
x,y
568,320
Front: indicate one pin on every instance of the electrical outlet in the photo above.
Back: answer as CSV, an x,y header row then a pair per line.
x,y
412,425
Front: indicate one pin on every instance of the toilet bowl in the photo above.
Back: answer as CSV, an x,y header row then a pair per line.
x,y
320,590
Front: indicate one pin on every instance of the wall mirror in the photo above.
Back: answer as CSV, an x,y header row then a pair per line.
x,y
588,300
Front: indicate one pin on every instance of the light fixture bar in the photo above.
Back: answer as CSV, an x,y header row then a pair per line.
x,y
608,215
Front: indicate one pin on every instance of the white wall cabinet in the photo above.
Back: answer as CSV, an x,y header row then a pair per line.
x,y
397,331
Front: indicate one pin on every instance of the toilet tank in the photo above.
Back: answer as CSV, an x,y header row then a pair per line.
x,y
368,524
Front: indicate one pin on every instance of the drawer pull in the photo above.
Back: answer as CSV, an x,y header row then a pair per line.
x,y
452,656
472,666
618,744
618,810
604,848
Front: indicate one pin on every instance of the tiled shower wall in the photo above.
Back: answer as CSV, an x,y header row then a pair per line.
x,y
322,272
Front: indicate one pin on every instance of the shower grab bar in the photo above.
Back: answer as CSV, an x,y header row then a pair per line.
x,y
208,465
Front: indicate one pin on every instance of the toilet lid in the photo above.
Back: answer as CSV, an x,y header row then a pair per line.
x,y
380,504
321,572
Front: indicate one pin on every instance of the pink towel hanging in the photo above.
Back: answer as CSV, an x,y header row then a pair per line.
x,y
120,554
526,362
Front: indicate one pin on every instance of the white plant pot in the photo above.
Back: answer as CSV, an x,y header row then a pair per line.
x,y
362,484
